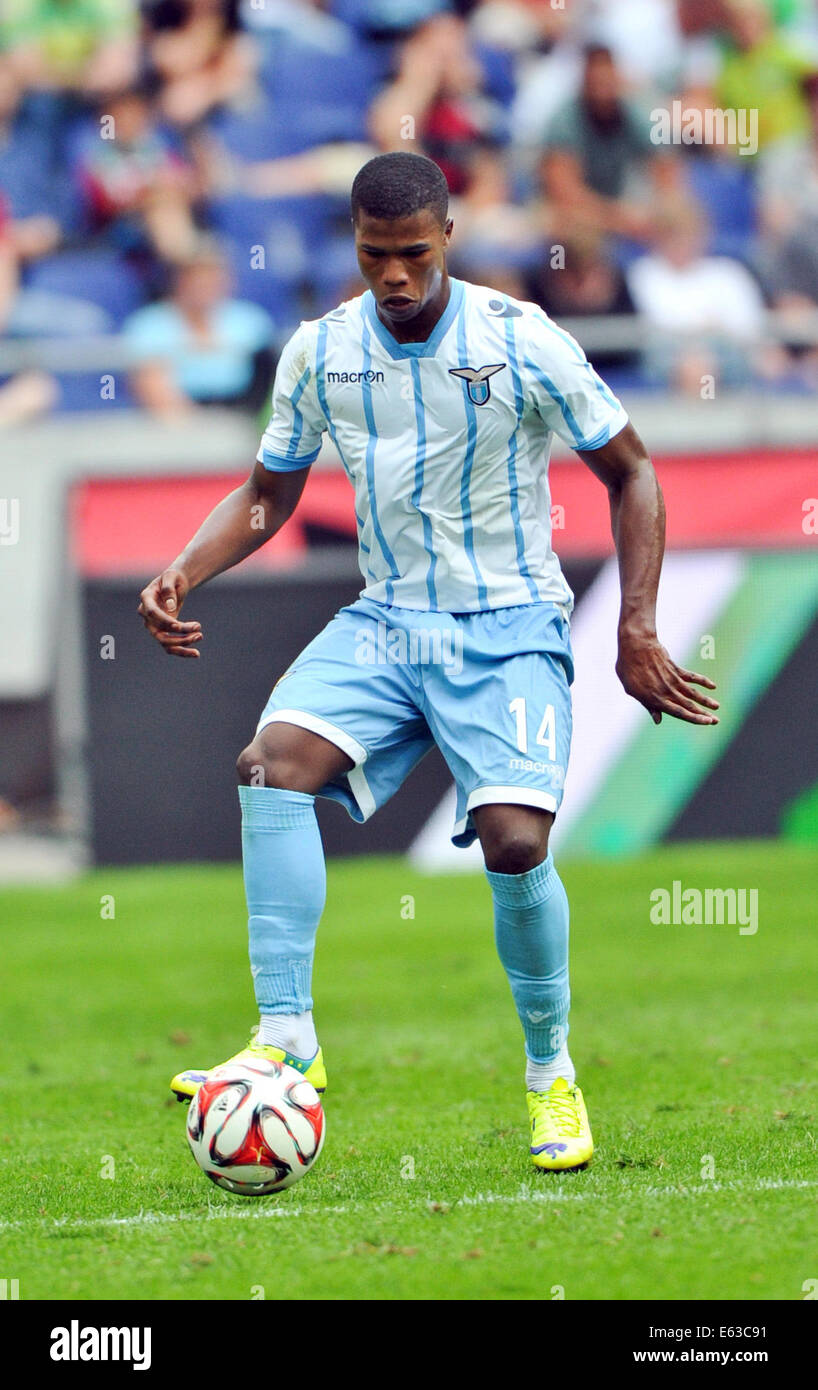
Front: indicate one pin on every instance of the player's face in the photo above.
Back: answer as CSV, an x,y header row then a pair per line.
x,y
403,261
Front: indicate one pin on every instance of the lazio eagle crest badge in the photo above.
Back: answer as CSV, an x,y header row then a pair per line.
x,y
477,380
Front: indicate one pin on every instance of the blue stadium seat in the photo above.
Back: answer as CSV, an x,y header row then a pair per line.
x,y
322,96
29,181
725,188
289,231
498,73
255,134
98,276
279,297
249,226
629,379
254,219
333,265
81,391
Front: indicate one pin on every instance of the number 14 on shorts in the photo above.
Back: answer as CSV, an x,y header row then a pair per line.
x,y
546,734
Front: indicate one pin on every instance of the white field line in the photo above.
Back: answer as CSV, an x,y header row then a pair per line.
x,y
703,1189
526,1195
167,1218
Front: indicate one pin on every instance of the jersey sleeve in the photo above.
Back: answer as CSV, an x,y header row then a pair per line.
x,y
568,395
292,438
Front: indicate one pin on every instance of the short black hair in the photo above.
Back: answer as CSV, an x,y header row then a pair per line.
x,y
398,185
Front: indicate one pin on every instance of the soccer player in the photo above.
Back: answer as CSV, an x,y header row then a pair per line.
x,y
441,398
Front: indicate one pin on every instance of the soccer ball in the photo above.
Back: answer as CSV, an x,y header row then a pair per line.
x,y
255,1127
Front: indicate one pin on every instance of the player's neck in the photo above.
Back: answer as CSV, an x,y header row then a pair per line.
x,y
418,329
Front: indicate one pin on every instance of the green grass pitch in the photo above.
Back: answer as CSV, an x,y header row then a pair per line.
x,y
695,1047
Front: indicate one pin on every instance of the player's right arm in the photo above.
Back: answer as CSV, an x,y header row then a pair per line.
x,y
242,522
250,515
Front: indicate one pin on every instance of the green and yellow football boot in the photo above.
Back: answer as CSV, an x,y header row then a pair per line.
x,y
560,1133
186,1083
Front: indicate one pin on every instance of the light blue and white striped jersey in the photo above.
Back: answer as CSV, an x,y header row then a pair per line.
x,y
446,443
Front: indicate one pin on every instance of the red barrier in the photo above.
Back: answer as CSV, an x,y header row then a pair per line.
x,y
754,499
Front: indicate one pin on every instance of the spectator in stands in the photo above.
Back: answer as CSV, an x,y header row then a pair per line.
x,y
548,67
719,181
597,147
323,169
87,48
645,39
139,191
522,26
580,279
28,393
438,104
200,346
705,313
495,238
32,176
788,191
763,71
384,20
305,21
199,54
34,195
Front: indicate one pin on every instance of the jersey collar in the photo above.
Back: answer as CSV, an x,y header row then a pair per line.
x,y
427,349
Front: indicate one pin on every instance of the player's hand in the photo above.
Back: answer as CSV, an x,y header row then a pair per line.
x,y
159,606
651,677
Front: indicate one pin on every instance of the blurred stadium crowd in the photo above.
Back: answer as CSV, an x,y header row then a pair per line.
x,y
174,177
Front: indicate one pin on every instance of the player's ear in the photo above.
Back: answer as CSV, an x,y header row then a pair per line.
x,y
447,231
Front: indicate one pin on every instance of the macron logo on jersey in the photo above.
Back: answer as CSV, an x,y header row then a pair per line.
x,y
345,377
477,380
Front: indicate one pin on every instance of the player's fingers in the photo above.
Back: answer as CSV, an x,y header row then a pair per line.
x,y
699,680
177,639
689,715
167,592
182,651
674,682
152,614
164,621
169,637
685,695
691,693
178,648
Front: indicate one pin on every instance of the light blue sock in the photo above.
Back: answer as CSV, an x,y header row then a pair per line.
x,y
531,931
286,885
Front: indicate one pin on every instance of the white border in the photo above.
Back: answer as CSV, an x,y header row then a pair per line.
x,y
317,725
505,796
359,787
356,777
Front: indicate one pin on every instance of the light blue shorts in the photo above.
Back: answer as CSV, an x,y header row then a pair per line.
x,y
490,689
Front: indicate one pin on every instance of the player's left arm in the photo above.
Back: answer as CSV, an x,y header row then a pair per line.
x,y
644,667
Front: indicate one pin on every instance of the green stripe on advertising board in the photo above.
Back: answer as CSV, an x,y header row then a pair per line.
x,y
757,630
